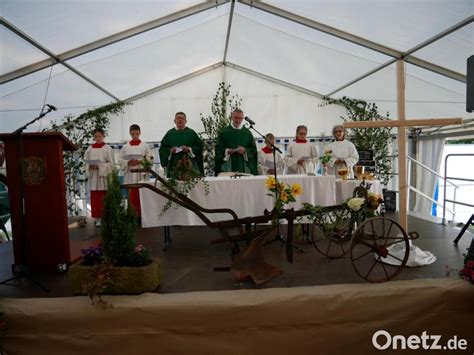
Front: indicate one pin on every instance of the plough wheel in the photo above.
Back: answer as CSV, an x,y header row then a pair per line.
x,y
372,243
335,244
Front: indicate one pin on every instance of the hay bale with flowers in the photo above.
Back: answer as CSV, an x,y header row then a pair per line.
x,y
119,265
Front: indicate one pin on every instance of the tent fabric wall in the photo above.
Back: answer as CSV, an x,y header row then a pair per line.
x,y
272,106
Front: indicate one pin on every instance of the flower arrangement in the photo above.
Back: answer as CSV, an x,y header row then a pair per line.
x,y
92,255
327,156
141,256
97,281
467,273
100,276
374,200
284,193
339,222
355,203
364,206
95,255
3,327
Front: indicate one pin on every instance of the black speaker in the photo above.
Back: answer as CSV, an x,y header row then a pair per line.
x,y
390,200
470,84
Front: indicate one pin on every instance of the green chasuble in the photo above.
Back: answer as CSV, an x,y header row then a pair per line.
x,y
231,138
178,138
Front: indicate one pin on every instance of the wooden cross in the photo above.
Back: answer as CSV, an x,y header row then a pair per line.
x,y
401,125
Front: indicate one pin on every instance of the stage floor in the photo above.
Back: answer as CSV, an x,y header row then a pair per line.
x,y
188,264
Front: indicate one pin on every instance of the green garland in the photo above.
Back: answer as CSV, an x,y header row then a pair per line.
x,y
335,222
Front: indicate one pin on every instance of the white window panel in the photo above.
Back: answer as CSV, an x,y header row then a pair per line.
x,y
307,34
16,52
139,64
155,112
318,67
398,24
67,91
11,120
63,25
451,51
280,109
428,95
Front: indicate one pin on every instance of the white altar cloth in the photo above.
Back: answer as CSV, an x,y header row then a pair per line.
x,y
245,195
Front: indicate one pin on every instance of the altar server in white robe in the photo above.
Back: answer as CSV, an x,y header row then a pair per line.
x,y
301,156
344,153
138,148
265,158
99,162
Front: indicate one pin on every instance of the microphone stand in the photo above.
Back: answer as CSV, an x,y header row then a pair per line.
x,y
278,236
22,271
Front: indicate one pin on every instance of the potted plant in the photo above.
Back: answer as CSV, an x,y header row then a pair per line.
x,y
119,265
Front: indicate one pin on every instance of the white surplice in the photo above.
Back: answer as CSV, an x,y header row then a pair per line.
x,y
141,149
266,159
297,151
98,178
343,150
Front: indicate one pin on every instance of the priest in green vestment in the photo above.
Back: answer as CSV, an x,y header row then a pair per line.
x,y
235,149
181,142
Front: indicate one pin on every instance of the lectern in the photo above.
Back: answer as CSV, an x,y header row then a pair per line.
x,y
41,242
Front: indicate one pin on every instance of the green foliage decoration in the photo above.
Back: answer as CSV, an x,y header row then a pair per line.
x,y
183,179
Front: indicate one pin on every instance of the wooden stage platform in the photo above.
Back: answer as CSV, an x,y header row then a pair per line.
x,y
188,264
317,306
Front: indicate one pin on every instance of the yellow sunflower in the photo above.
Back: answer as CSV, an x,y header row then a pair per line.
x,y
281,186
296,189
270,183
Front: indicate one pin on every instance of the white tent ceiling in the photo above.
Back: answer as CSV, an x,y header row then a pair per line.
x,y
281,57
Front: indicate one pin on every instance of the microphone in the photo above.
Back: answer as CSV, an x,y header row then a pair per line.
x,y
249,120
51,107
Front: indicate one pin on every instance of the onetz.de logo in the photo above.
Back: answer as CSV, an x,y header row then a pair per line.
x,y
383,340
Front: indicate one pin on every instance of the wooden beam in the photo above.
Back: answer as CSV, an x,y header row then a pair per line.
x,y
402,138
402,122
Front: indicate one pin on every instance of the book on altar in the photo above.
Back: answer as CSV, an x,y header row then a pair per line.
x,y
93,161
133,157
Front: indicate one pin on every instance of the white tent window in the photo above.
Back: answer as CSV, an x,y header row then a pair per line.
x,y
83,21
